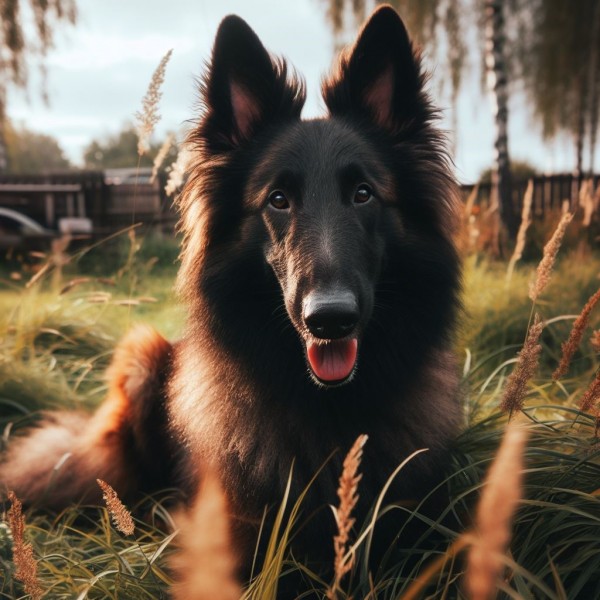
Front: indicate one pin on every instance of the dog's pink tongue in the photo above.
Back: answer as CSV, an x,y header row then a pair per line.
x,y
334,360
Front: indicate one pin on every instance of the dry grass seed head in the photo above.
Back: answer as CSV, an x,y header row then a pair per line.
x,y
591,396
25,563
587,201
162,154
544,269
570,346
178,171
120,515
470,230
527,364
348,495
149,117
522,234
204,566
499,500
470,202
595,340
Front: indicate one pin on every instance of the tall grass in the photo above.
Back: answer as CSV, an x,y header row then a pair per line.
x,y
53,350
57,336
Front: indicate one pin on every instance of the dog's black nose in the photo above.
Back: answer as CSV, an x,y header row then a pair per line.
x,y
330,316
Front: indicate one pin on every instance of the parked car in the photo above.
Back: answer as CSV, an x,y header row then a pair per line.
x,y
20,232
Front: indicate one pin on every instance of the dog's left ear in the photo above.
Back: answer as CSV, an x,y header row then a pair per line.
x,y
380,78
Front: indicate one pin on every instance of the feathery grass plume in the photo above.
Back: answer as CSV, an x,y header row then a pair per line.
x,y
149,117
73,283
25,563
522,234
570,346
162,154
56,260
544,270
591,396
348,495
501,494
468,209
470,230
204,566
120,515
178,171
527,364
595,340
586,201
584,190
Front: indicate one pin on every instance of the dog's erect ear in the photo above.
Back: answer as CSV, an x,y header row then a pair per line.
x,y
244,86
380,78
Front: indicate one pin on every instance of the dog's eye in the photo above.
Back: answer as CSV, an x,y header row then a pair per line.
x,y
363,194
278,200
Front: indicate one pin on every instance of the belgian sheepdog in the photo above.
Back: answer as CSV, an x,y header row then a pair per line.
x,y
321,280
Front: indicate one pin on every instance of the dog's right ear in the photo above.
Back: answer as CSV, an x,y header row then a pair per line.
x,y
244,88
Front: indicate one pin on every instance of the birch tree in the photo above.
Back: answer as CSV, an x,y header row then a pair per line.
x,y
497,80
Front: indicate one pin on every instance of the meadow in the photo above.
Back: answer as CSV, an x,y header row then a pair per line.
x,y
57,333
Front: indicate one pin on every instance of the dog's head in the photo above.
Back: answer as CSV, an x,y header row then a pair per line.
x,y
322,199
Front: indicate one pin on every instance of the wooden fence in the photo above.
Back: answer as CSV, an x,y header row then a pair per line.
x,y
549,192
48,198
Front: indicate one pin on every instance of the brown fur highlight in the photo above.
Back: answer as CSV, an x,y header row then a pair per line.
x,y
58,463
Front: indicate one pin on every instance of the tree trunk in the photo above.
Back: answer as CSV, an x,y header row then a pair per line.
x,y
498,84
593,85
580,125
593,126
3,151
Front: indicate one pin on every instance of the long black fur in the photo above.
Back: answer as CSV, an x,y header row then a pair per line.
x,y
238,394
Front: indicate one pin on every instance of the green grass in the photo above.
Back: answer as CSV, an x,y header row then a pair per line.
x,y
55,346
57,336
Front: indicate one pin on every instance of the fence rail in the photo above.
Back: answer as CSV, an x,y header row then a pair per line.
x,y
48,198
549,193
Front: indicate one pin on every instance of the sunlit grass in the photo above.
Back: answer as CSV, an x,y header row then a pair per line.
x,y
55,346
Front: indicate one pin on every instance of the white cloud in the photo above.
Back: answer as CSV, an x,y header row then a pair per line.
x,y
97,50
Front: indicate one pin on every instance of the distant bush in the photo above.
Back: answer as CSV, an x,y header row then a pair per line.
x,y
520,170
151,251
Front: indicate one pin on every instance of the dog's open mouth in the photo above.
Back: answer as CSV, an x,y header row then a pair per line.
x,y
332,361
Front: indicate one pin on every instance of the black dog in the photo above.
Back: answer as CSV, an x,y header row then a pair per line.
x,y
322,283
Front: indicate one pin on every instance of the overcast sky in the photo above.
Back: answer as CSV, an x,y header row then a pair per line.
x,y
99,72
